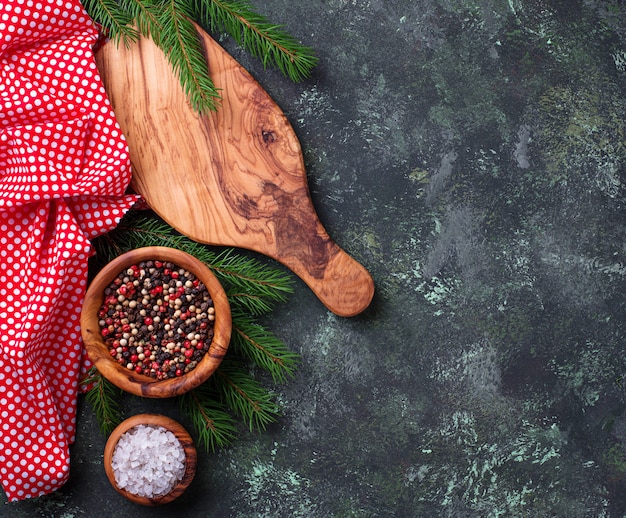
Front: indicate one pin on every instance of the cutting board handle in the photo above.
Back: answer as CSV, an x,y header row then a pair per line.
x,y
346,288
341,283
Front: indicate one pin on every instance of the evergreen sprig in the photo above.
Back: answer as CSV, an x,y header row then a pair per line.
x,y
253,341
251,283
170,24
115,20
214,425
244,395
178,38
253,287
104,398
264,40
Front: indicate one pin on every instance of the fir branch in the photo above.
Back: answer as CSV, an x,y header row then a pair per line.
x,y
103,398
249,283
180,42
115,20
214,426
169,24
244,395
253,341
144,14
138,229
255,304
267,41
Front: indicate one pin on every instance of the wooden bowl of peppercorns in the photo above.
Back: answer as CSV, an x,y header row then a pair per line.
x,y
156,322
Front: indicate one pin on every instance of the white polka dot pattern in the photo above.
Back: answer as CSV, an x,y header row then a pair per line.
x,y
64,168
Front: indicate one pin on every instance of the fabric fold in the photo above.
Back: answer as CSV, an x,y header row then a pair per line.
x,y
64,169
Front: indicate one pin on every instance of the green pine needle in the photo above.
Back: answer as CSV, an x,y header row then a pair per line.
x,y
180,42
244,395
215,427
267,41
251,283
116,20
144,16
103,397
170,24
253,341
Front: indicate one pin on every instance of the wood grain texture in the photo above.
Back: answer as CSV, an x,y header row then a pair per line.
x,y
191,456
139,384
231,178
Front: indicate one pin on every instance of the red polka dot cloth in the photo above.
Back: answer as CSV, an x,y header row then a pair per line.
x,y
64,168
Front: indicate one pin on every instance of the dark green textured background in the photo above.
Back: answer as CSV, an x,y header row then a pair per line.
x,y
472,155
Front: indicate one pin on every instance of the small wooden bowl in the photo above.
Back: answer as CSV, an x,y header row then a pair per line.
x,y
185,441
140,384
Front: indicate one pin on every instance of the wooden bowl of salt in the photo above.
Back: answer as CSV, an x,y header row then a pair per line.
x,y
150,459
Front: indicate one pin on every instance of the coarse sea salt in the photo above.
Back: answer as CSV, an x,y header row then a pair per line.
x,y
148,461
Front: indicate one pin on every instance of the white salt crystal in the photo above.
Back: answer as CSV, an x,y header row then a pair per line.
x,y
148,461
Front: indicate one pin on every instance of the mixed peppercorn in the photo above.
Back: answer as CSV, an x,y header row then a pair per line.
x,y
157,319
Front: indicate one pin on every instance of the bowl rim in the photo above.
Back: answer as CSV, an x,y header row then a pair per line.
x,y
183,437
140,384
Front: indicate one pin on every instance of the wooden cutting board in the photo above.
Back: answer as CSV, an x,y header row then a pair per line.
x,y
231,178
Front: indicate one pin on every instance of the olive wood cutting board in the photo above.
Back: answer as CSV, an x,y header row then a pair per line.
x,y
234,177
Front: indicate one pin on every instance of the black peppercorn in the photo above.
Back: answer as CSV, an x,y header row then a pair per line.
x,y
163,315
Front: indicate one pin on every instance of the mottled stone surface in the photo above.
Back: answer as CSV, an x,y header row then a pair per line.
x,y
472,155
